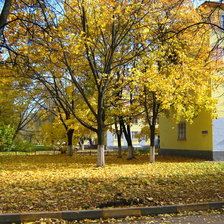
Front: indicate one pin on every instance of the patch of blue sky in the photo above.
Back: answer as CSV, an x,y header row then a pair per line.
x,y
1,5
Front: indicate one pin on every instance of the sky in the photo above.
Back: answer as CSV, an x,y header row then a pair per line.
x,y
196,2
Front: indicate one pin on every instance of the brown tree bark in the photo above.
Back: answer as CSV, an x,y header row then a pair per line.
x,y
4,15
69,137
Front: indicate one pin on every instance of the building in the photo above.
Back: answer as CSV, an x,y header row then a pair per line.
x,y
135,130
205,137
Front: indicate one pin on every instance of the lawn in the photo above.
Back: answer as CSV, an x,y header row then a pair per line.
x,y
57,182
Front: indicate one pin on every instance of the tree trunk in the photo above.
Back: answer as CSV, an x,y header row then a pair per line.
x,y
100,147
4,15
100,132
129,141
100,156
119,146
151,111
130,152
152,144
69,150
152,154
90,141
119,136
81,144
127,134
69,137
15,134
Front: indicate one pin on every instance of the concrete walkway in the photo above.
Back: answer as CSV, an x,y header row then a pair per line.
x,y
209,218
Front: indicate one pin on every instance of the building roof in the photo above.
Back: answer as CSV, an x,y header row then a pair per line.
x,y
213,4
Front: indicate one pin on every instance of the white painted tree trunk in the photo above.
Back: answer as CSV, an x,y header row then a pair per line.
x,y
100,156
152,154
119,152
82,146
130,152
69,150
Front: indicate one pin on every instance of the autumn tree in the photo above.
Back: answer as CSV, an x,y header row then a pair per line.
x,y
52,133
175,77
87,42
91,40
103,29
17,93
123,108
119,133
61,113
18,100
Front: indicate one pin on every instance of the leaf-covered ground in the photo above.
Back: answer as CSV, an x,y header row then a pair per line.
x,y
52,183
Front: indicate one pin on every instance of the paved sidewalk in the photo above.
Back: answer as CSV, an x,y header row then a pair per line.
x,y
209,218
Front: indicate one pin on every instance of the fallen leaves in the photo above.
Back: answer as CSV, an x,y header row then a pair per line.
x,y
53,183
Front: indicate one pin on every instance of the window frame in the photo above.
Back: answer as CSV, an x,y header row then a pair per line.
x,y
182,131
222,20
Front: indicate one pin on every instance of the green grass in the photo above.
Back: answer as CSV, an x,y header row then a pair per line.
x,y
41,148
31,148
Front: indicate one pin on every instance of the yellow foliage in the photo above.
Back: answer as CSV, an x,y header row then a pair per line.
x,y
178,70
53,134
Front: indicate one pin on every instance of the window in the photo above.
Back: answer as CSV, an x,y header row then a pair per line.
x,y
222,21
133,134
135,121
217,53
182,131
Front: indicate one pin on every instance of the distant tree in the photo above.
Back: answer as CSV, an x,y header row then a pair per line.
x,y
18,100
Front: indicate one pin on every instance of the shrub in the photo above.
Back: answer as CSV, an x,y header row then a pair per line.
x,y
6,137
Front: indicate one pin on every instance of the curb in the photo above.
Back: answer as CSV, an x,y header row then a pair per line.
x,y
108,213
